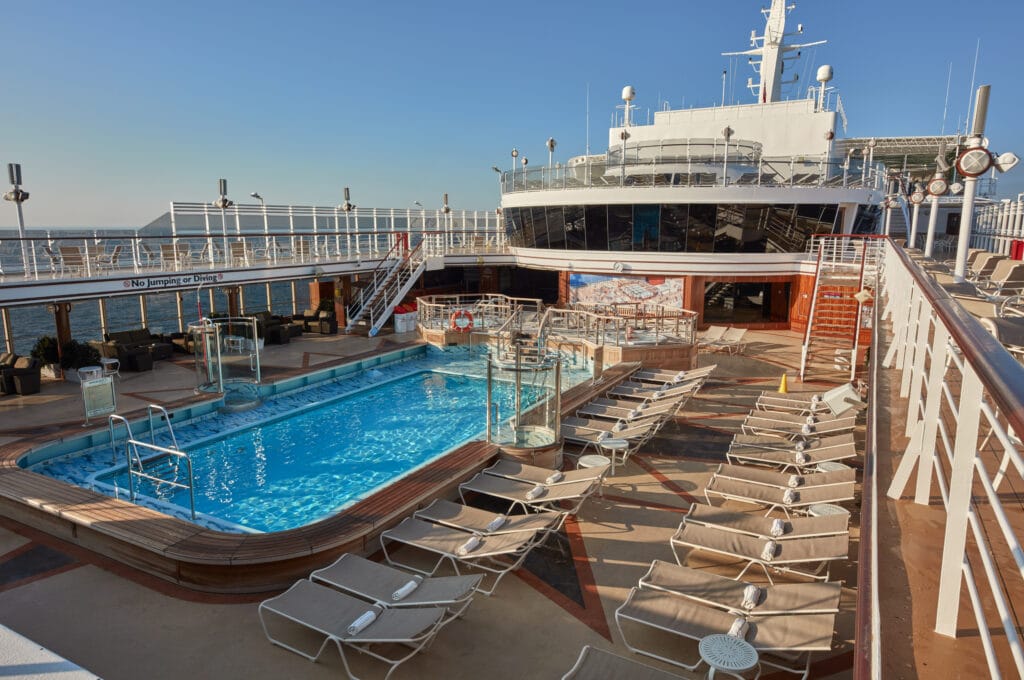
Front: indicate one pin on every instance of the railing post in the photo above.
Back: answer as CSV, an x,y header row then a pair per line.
x,y
961,480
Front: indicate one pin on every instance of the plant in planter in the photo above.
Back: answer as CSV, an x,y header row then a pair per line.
x,y
75,355
45,352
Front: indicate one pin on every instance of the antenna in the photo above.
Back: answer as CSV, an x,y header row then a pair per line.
x,y
970,93
588,119
724,72
945,104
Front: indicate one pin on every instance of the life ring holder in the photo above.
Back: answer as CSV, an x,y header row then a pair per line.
x,y
462,321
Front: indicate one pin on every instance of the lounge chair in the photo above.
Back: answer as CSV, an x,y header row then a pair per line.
x,y
534,474
530,496
586,437
783,480
743,598
390,587
799,456
812,554
767,528
795,427
613,411
459,547
775,497
349,621
613,426
836,401
731,341
802,634
673,377
639,391
485,522
710,336
598,664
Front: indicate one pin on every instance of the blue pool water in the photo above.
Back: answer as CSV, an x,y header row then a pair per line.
x,y
296,470
312,449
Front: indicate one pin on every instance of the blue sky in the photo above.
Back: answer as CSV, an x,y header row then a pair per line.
x,y
116,108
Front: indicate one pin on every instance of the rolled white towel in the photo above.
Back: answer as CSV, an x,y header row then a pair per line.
x,y
535,492
778,527
800,446
635,413
811,420
469,546
603,435
768,554
405,590
790,496
802,458
497,523
659,394
738,628
362,622
555,476
751,596
816,399
806,429
794,481
618,427
680,376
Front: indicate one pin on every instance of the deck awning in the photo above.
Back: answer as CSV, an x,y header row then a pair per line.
x,y
916,155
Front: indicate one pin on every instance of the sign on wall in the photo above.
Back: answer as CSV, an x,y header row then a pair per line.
x,y
618,290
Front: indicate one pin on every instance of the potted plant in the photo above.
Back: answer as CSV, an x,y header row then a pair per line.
x,y
45,352
75,355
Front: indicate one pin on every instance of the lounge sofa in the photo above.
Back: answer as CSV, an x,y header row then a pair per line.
x,y
135,349
272,328
21,377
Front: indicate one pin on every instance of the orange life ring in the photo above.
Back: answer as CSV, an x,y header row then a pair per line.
x,y
462,321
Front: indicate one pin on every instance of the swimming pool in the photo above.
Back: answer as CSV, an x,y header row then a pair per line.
x,y
311,452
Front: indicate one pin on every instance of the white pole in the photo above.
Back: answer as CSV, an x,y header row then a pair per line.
x,y
933,218
913,226
970,186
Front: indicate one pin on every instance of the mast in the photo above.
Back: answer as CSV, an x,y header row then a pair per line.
x,y
771,50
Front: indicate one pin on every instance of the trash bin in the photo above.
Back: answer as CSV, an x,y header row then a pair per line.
x,y
1017,249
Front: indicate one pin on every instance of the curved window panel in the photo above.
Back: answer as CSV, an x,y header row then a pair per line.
x,y
514,227
540,227
620,227
700,233
780,234
673,228
597,227
729,228
575,227
528,238
645,227
556,227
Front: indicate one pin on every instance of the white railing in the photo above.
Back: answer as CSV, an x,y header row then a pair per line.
x,y
997,225
965,394
194,238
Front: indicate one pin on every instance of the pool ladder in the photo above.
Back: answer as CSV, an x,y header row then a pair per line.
x,y
169,458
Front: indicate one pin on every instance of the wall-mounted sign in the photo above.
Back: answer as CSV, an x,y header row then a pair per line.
x,y
99,397
173,281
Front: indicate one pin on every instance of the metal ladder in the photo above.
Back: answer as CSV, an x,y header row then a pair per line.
x,y
136,464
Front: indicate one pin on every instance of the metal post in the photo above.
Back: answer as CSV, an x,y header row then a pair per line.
x,y
911,238
933,218
970,185
5,321
103,317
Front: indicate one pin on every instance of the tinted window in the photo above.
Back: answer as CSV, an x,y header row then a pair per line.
x,y
620,227
575,227
729,228
673,228
540,227
645,227
556,227
700,233
597,227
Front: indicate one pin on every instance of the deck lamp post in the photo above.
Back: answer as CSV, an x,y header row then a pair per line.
x,y
17,195
223,203
266,222
515,155
347,208
916,199
551,144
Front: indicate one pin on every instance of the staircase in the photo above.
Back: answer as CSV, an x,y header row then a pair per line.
x,y
832,340
385,288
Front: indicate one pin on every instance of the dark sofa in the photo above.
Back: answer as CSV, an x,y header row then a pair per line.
x,y
272,328
21,376
135,349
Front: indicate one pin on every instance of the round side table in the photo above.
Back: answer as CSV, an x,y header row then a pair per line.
x,y
727,653
111,366
613,447
822,509
594,460
90,372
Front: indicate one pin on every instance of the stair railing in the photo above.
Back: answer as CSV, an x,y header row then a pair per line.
x,y
810,317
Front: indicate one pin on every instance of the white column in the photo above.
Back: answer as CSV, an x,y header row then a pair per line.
x,y
933,218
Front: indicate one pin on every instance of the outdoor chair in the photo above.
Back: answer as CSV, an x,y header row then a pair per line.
x,y
613,426
731,341
534,474
783,480
108,260
72,259
673,377
531,496
799,456
636,434
390,587
56,265
598,664
794,427
645,393
497,554
1006,279
767,528
836,401
795,636
777,498
808,557
721,592
613,409
767,442
712,335
484,522
350,622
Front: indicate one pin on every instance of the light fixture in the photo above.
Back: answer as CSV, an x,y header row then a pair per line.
x,y
257,196
495,168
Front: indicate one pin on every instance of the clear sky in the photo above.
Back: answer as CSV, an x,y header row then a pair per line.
x,y
116,108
